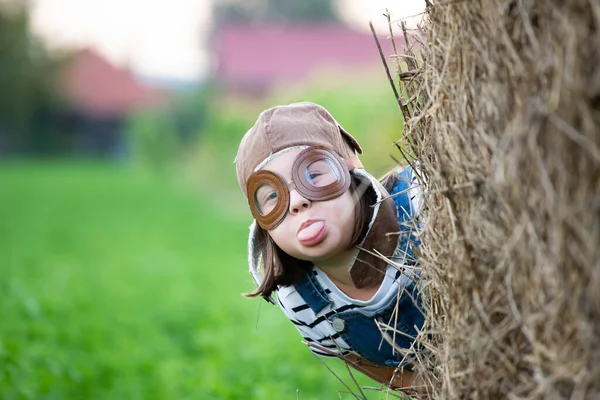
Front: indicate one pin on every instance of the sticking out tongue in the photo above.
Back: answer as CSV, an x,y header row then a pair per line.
x,y
312,234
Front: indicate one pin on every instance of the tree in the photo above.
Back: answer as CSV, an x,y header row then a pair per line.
x,y
27,78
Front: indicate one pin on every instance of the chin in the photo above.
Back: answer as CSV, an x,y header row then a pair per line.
x,y
312,256
320,252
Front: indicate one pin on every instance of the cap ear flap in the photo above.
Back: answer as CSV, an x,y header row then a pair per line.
x,y
254,254
350,140
255,259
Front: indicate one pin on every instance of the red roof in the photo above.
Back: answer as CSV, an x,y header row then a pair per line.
x,y
261,55
95,86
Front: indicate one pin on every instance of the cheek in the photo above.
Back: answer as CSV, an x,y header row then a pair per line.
x,y
281,235
276,235
343,212
349,206
352,218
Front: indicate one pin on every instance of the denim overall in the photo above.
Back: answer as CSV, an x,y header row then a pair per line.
x,y
358,328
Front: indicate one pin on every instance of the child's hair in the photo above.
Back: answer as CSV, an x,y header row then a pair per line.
x,y
281,269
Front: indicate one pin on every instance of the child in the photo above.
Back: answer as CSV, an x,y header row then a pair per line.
x,y
320,220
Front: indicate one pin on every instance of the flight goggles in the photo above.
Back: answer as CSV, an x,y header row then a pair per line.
x,y
318,174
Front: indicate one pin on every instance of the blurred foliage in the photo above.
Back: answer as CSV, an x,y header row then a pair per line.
x,y
118,285
28,75
228,11
160,138
154,141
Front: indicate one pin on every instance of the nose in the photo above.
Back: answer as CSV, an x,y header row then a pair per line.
x,y
298,202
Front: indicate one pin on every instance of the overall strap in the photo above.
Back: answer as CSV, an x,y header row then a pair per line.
x,y
401,196
406,217
312,292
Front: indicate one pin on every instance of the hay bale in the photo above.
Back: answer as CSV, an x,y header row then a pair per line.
x,y
509,139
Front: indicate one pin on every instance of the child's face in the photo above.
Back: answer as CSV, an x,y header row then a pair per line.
x,y
312,230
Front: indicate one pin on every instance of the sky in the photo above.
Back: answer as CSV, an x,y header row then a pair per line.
x,y
167,38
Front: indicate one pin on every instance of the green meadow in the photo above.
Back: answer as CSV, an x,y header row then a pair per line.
x,y
115,284
125,280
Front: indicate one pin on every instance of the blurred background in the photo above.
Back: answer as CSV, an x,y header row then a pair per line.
x,y
122,229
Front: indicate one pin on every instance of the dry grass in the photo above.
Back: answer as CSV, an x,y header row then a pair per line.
x,y
508,136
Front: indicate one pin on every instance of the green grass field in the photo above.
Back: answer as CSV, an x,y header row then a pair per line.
x,y
118,286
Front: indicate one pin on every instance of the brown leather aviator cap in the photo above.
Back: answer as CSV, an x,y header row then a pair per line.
x,y
297,124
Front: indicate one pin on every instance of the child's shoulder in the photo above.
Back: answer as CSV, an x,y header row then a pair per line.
x,y
404,186
399,179
296,309
283,292
290,299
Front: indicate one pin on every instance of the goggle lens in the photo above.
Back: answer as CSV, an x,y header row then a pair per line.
x,y
321,173
265,199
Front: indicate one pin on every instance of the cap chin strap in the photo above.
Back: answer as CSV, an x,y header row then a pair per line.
x,y
382,237
255,259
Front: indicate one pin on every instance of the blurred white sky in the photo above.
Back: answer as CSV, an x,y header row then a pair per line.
x,y
166,38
